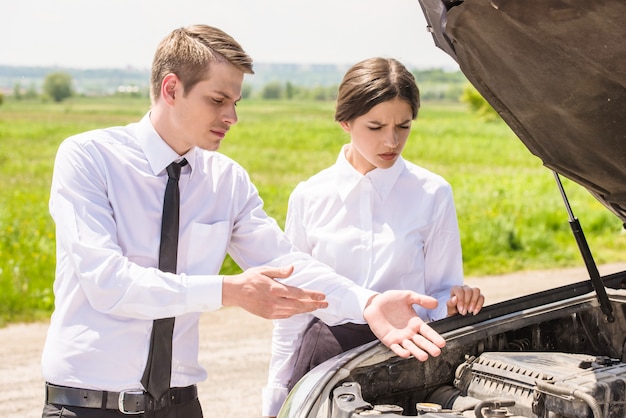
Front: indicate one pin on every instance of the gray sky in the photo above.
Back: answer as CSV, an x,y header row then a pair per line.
x,y
122,33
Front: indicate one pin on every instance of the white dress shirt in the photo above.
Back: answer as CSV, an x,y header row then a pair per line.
x,y
106,200
392,228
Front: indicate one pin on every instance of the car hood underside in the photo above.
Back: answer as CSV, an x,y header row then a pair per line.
x,y
555,70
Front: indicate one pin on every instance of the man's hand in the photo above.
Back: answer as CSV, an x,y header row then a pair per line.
x,y
393,320
256,291
464,300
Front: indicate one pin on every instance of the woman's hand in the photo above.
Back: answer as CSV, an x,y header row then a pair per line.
x,y
465,299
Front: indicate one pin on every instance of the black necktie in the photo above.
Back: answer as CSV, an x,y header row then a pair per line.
x,y
157,375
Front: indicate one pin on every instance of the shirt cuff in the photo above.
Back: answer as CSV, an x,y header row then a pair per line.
x,y
204,293
440,312
346,305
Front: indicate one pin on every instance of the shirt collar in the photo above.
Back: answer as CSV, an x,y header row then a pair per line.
x,y
382,180
156,150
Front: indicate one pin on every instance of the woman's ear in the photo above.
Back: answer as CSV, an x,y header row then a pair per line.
x,y
345,125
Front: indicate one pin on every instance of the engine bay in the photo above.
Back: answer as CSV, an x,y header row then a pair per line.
x,y
559,362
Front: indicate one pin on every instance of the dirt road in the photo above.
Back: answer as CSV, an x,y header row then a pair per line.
x,y
235,349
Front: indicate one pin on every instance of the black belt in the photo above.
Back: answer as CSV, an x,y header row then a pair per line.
x,y
127,402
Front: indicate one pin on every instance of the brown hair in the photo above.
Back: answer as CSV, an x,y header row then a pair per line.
x,y
374,81
187,53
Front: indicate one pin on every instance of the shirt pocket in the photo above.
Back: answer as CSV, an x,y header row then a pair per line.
x,y
207,247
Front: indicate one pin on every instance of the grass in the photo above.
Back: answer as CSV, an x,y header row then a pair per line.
x,y
510,212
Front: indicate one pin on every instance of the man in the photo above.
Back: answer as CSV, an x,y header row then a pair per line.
x,y
115,294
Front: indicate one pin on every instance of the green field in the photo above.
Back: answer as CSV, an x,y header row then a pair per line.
x,y
510,211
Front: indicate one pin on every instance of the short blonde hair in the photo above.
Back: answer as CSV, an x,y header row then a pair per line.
x,y
187,52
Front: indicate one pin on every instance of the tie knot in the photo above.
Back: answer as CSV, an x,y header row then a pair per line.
x,y
173,170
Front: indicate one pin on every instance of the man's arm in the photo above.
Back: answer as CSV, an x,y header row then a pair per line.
x,y
390,315
256,291
257,240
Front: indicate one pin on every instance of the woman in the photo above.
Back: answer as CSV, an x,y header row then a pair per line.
x,y
379,220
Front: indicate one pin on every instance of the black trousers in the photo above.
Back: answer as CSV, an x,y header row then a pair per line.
x,y
321,342
190,409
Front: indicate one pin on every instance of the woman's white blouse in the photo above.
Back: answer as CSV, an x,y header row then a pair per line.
x,y
392,228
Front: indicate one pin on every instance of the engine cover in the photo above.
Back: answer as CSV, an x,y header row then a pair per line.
x,y
547,384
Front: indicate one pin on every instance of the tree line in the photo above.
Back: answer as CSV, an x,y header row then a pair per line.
x,y
435,84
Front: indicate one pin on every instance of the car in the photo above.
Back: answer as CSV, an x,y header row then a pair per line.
x,y
555,71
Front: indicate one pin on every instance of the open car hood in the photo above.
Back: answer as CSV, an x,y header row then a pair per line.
x,y
555,70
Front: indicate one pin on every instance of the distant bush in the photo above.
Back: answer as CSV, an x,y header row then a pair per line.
x,y
246,91
58,86
478,104
272,90
439,76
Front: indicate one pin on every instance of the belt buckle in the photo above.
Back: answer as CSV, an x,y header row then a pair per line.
x,y
121,400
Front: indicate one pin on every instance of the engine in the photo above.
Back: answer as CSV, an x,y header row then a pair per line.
x,y
562,361
513,385
542,384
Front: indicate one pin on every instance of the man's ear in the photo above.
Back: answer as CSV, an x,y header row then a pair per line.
x,y
169,88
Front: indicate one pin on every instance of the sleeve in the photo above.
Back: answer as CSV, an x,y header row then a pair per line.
x,y
286,341
443,256
295,223
90,255
257,240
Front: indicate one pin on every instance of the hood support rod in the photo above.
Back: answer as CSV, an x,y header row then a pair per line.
x,y
596,280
